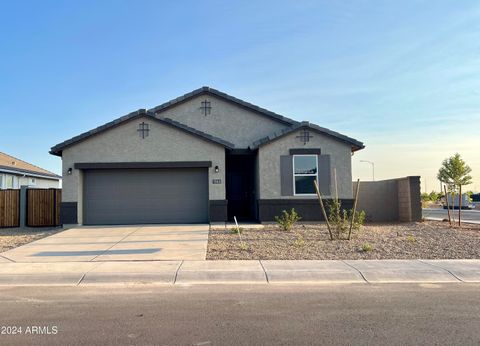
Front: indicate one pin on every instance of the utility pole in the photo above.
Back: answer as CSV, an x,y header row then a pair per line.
x,y
373,168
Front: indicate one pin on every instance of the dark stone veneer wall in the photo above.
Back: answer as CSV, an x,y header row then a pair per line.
x,y
68,213
218,210
383,201
308,209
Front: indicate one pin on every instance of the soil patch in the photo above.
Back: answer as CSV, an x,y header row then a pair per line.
x,y
14,237
416,240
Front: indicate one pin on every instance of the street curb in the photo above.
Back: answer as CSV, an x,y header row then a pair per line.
x,y
472,222
240,272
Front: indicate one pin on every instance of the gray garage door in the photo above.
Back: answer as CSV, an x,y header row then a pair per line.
x,y
138,196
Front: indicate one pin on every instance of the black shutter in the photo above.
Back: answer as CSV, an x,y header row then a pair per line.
x,y
324,174
286,175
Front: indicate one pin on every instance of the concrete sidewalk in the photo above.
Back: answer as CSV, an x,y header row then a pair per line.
x,y
241,272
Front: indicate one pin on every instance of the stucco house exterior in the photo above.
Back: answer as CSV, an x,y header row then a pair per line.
x,y
203,157
15,173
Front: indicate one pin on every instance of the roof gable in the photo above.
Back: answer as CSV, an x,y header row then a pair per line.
x,y
274,123
207,90
57,149
355,145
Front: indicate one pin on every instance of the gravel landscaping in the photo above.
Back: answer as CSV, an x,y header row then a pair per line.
x,y
14,237
425,240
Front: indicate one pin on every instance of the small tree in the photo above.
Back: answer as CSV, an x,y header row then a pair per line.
x,y
455,173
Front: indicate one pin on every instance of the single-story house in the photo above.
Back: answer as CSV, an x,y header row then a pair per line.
x,y
203,157
15,173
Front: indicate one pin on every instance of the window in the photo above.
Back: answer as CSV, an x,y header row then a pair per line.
x,y
305,170
9,182
1,181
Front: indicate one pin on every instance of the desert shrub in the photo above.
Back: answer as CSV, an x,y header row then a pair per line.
x,y
411,239
299,242
236,230
339,220
434,196
366,247
424,197
359,219
288,219
430,197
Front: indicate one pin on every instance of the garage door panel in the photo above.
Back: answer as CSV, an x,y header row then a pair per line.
x,y
133,196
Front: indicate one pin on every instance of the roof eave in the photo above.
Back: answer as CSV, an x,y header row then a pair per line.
x,y
227,97
29,173
56,153
57,150
357,148
355,145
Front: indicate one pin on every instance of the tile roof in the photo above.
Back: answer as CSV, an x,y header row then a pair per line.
x,y
208,90
356,145
57,149
10,163
291,125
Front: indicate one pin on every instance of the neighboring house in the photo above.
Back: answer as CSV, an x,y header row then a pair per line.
x,y
202,157
15,173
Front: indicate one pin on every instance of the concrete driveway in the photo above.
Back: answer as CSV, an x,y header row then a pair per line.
x,y
117,243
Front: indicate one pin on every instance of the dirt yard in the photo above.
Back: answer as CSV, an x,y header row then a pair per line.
x,y
14,237
425,240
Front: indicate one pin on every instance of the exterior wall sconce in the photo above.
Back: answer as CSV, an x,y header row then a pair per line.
x,y
217,169
69,171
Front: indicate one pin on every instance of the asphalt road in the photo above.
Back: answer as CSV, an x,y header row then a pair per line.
x,y
244,315
470,215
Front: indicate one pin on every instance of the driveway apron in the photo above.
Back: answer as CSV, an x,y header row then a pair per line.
x,y
117,243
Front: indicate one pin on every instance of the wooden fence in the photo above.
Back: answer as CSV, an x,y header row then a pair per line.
x,y
43,207
9,208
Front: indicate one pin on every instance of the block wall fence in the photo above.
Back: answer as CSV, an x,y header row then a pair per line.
x,y
391,200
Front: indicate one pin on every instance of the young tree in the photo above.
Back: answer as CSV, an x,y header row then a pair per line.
x,y
455,173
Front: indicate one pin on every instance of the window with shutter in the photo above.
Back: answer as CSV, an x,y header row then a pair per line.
x,y
305,172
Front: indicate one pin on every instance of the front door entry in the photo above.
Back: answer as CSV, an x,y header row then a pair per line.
x,y
240,186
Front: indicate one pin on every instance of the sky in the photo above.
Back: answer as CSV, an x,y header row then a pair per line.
x,y
401,76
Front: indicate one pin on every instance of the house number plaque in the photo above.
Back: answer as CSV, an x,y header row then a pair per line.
x,y
216,181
